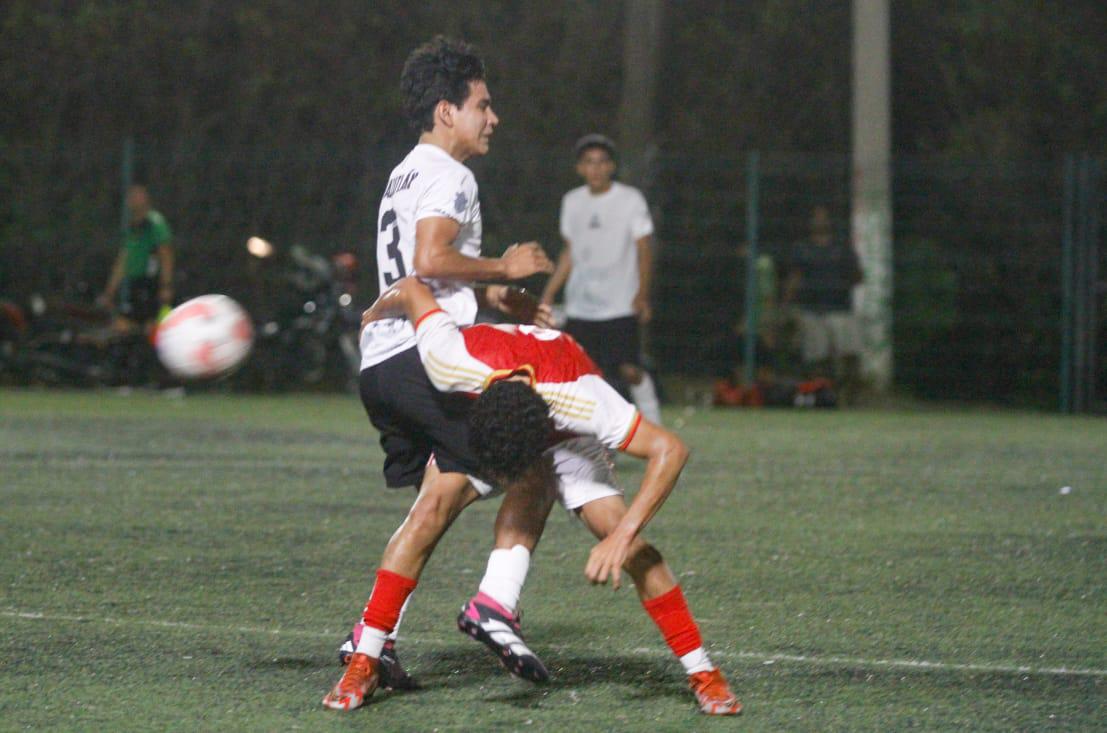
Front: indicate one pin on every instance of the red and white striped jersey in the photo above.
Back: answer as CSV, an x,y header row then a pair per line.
x,y
468,360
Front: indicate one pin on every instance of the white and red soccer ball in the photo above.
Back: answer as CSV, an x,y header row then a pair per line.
x,y
204,337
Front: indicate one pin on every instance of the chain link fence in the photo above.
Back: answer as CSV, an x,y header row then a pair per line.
x,y
997,278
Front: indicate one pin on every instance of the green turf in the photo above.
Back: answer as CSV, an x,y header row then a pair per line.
x,y
193,564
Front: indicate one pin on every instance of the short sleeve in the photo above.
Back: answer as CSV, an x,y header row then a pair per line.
x,y
453,196
565,205
591,406
641,224
160,226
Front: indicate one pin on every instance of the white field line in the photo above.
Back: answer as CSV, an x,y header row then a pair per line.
x,y
765,658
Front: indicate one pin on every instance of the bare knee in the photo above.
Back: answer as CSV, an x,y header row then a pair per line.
x,y
642,560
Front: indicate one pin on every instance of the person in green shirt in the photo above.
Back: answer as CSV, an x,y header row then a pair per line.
x,y
141,280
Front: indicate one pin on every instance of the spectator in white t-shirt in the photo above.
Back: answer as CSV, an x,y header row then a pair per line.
x,y
607,261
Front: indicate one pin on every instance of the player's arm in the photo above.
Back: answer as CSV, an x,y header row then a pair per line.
x,y
645,278
560,275
665,456
437,258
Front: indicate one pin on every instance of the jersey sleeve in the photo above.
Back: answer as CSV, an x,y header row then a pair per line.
x,y
591,406
641,224
566,206
160,227
445,356
451,195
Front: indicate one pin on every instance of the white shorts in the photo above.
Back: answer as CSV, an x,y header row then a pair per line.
x,y
585,473
829,335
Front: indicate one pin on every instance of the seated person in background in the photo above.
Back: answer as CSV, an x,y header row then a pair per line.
x,y
541,406
819,276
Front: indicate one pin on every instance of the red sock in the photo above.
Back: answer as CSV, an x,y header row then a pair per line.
x,y
387,600
670,612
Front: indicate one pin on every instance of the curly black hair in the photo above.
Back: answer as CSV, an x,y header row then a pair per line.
x,y
439,69
509,430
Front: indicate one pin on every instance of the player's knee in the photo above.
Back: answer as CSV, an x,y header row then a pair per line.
x,y
430,514
644,558
631,373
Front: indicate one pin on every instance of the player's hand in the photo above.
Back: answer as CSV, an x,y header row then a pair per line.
x,y
389,304
544,317
607,558
515,302
524,260
642,309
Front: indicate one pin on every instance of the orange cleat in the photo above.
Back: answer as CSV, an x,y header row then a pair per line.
x,y
356,686
713,693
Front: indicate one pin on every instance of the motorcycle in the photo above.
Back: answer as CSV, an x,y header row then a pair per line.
x,y
65,343
306,323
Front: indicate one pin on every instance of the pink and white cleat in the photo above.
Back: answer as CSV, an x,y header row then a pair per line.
x,y
491,624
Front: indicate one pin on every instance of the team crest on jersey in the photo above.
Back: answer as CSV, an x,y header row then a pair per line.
x,y
460,201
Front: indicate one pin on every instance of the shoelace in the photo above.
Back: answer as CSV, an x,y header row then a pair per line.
x,y
356,676
704,681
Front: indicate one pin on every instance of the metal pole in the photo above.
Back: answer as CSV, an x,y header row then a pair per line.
x,y
871,221
1080,289
1067,223
128,173
1093,289
752,296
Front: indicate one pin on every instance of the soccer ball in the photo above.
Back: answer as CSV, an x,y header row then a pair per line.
x,y
204,337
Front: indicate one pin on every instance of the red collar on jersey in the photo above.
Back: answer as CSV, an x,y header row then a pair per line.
x,y
501,374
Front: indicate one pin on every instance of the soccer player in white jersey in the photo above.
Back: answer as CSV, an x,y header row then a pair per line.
x,y
430,224
608,263
542,406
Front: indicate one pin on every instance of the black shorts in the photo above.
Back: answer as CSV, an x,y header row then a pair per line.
x,y
138,298
609,343
415,420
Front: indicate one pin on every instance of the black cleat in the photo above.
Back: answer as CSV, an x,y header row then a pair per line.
x,y
486,621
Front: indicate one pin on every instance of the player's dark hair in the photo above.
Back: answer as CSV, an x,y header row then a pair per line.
x,y
509,430
439,69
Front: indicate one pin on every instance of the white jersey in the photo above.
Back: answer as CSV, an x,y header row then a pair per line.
x,y
428,183
602,231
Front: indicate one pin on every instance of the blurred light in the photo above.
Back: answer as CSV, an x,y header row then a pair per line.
x,y
259,247
345,299
309,307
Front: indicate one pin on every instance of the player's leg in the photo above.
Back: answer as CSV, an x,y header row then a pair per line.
x,y
401,403
491,616
622,342
664,602
441,499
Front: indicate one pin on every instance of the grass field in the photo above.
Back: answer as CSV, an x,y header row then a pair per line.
x,y
192,564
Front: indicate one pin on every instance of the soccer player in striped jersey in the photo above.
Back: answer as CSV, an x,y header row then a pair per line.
x,y
542,406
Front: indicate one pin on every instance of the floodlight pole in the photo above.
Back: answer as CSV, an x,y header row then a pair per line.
x,y
871,220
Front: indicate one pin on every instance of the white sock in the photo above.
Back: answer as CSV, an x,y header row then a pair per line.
x,y
395,633
645,397
696,661
506,573
371,642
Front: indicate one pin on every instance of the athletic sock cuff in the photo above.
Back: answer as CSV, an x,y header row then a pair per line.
x,y
670,612
389,593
